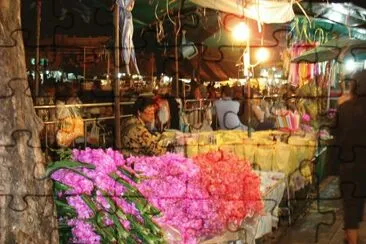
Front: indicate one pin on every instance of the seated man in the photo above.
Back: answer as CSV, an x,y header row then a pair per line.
x,y
227,111
135,136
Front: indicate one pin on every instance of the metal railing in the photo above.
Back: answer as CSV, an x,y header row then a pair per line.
x,y
85,120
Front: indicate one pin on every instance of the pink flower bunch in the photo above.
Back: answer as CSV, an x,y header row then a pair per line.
x,y
173,186
232,184
81,183
306,118
84,212
105,161
83,232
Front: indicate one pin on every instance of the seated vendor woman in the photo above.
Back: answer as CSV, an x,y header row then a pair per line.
x,y
261,118
135,135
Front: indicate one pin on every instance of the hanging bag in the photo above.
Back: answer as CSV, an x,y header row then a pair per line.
x,y
93,135
71,126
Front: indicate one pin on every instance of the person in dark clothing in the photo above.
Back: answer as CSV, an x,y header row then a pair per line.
x,y
174,112
349,154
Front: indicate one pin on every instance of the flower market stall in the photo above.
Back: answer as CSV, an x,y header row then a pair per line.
x,y
102,197
266,150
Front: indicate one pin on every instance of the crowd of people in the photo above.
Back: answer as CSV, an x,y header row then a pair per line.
x,y
224,108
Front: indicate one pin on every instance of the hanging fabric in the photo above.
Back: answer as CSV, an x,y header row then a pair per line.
x,y
126,29
188,49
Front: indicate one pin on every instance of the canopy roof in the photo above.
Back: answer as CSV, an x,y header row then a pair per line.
x,y
339,49
206,28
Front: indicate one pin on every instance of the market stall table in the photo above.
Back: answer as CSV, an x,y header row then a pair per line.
x,y
279,151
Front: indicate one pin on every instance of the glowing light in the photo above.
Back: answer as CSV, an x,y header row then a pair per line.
x,y
350,65
264,73
167,79
262,54
241,32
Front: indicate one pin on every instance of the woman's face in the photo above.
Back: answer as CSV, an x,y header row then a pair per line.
x,y
197,93
148,115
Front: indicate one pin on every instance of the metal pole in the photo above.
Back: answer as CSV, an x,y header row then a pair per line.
x,y
177,31
328,76
38,37
108,64
246,63
117,108
176,59
84,68
152,68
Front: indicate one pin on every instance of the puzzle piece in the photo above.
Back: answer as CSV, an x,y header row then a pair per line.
x,y
60,17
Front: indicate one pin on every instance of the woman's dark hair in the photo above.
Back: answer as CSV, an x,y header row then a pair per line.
x,y
227,91
141,103
357,84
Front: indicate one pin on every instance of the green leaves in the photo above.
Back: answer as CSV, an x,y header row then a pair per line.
x,y
66,164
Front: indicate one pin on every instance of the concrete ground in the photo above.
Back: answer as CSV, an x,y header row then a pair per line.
x,y
322,223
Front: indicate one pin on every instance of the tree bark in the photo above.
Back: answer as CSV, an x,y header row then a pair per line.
x,y
27,213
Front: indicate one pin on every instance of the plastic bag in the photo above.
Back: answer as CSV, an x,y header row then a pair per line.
x,y
93,135
71,126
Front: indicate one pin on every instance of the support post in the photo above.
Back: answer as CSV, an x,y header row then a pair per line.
x,y
246,63
84,67
176,55
108,64
117,107
38,37
177,30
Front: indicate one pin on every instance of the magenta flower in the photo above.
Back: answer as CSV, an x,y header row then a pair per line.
x,y
82,209
83,232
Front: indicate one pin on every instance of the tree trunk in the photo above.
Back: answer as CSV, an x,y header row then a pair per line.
x,y
26,206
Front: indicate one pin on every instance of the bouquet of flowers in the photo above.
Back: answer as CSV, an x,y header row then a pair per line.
x,y
173,185
233,186
96,196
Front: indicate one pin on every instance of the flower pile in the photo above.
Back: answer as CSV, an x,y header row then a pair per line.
x,y
173,185
97,197
233,186
105,198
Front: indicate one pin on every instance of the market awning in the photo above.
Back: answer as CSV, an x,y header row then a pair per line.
x,y
338,49
263,11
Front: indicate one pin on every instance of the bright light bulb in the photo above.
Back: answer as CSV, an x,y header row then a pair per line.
x,y
241,32
262,54
350,65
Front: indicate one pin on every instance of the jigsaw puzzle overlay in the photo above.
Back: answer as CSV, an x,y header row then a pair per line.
x,y
222,139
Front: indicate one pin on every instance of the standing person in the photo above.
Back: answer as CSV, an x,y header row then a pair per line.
x,y
227,111
47,97
211,91
163,110
350,138
174,110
